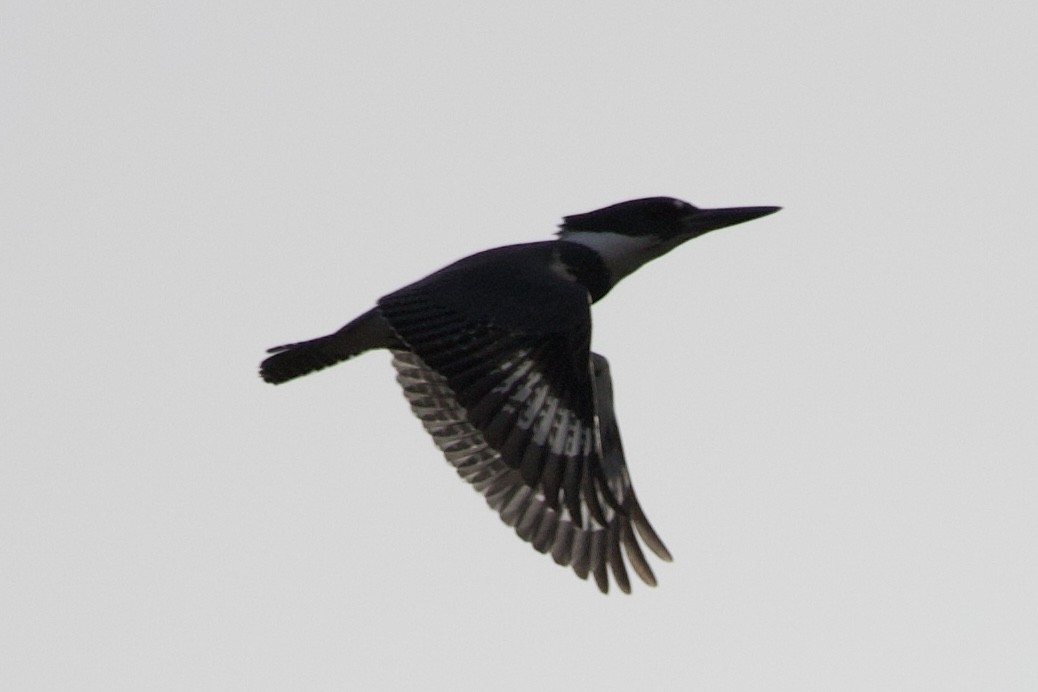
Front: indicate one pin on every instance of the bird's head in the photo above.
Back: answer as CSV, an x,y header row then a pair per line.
x,y
629,234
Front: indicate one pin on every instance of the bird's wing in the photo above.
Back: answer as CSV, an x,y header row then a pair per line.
x,y
525,414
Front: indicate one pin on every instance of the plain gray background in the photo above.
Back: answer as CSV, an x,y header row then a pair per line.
x,y
830,414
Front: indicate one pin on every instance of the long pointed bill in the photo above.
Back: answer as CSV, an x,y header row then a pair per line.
x,y
704,220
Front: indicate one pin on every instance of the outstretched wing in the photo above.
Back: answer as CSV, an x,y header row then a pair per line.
x,y
592,547
522,410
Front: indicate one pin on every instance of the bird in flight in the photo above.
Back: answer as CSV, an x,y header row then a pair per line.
x,y
494,356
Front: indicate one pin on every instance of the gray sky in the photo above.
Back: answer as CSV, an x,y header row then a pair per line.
x,y
829,414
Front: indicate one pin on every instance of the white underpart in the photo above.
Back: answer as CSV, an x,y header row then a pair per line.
x,y
621,253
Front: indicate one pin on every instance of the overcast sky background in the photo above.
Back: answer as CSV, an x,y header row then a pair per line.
x,y
830,415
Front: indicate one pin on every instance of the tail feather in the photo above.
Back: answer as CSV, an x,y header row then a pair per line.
x,y
290,361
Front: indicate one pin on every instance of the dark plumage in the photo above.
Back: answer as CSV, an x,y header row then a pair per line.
x,y
493,354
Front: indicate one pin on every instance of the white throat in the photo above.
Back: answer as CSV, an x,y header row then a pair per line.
x,y
621,253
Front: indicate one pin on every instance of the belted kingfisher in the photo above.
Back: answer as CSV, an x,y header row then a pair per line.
x,y
493,354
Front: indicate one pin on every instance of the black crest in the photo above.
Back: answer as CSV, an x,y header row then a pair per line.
x,y
659,216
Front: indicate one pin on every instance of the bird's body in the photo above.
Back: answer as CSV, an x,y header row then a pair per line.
x,y
493,354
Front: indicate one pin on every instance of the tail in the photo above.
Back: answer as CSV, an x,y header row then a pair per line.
x,y
290,361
